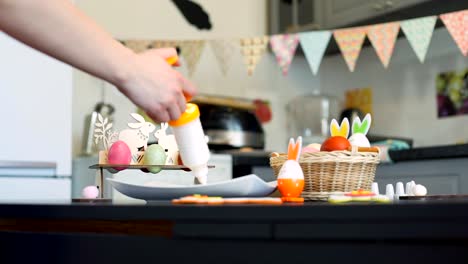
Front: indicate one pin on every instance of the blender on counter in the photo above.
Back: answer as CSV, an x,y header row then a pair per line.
x,y
309,116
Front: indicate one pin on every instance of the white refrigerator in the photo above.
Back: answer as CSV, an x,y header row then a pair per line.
x,y
35,128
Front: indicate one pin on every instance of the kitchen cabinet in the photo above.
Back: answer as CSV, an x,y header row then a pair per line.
x,y
440,176
38,189
337,13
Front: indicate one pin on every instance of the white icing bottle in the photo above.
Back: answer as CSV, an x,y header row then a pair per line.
x,y
193,148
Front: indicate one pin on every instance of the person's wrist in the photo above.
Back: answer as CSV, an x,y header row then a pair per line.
x,y
125,70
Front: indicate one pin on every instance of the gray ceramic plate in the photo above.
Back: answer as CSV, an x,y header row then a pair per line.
x,y
246,186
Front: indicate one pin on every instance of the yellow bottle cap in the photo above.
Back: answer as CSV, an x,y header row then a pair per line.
x,y
191,113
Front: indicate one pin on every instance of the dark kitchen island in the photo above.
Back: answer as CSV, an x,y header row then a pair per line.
x,y
404,232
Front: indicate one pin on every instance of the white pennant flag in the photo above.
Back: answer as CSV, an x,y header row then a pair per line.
x,y
223,50
419,31
314,45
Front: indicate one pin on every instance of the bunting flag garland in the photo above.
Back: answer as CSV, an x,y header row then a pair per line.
x,y
383,38
137,45
419,31
159,44
314,45
457,24
350,42
223,51
284,47
142,45
191,51
253,49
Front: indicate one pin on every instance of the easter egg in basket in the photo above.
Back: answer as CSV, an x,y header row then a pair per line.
x,y
154,155
335,143
119,153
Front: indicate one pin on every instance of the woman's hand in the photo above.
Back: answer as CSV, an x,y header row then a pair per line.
x,y
154,86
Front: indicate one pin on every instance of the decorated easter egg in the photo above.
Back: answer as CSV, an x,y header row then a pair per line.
x,y
335,143
119,153
314,147
90,192
155,155
359,140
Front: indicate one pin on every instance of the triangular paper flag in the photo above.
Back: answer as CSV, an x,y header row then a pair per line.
x,y
191,51
350,42
284,47
253,49
142,45
137,45
383,37
457,24
159,44
419,31
314,45
223,50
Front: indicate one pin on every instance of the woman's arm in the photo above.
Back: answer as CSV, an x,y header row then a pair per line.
x,y
60,30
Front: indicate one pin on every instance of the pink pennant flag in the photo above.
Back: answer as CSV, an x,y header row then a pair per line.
x,y
457,24
383,38
350,42
284,47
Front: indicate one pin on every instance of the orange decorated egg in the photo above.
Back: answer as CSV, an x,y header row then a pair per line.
x,y
335,143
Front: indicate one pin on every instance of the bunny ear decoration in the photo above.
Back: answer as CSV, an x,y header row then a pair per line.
x,y
294,149
340,130
138,117
135,125
362,127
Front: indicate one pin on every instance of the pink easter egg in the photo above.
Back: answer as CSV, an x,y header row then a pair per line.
x,y
314,147
90,192
309,149
119,153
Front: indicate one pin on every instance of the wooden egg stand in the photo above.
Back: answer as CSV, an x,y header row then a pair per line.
x,y
136,164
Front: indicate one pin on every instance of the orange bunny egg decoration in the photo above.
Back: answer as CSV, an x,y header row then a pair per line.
x,y
290,176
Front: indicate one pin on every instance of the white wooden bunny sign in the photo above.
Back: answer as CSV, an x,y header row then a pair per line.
x,y
137,136
168,142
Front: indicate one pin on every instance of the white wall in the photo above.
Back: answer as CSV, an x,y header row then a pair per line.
x,y
404,95
157,19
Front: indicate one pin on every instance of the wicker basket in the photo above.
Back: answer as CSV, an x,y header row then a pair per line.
x,y
333,172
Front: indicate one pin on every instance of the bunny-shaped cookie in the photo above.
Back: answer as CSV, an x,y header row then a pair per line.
x,y
339,130
290,176
360,129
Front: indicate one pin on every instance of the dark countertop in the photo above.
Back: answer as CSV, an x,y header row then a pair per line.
x,y
431,231
326,215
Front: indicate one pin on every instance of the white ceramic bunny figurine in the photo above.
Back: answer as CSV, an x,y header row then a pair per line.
x,y
169,143
138,135
290,176
359,131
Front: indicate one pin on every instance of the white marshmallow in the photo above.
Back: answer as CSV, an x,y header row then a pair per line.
x,y
419,190
400,191
375,188
389,192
